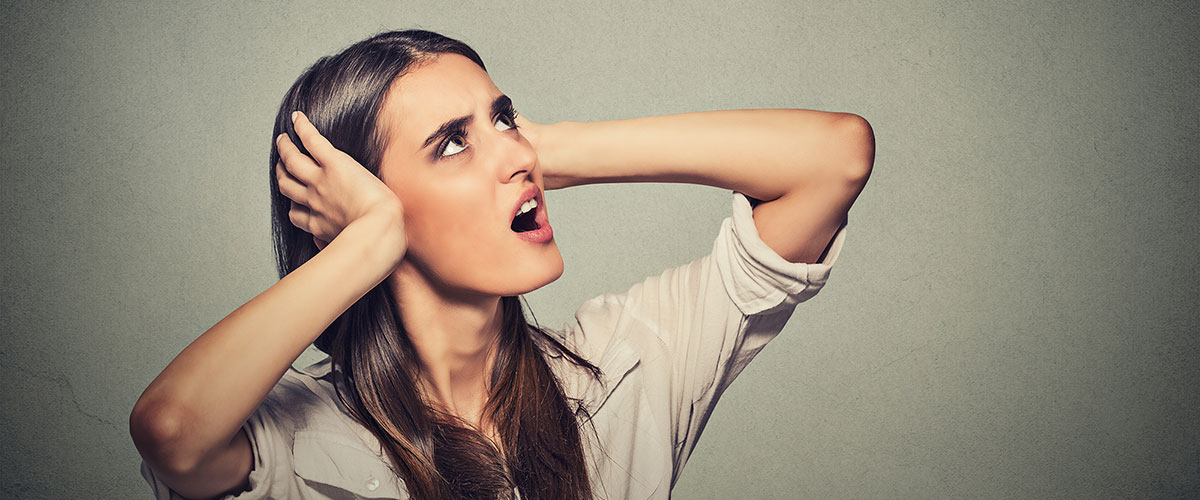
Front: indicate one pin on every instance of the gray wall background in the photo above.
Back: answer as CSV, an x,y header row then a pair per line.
x,y
1013,315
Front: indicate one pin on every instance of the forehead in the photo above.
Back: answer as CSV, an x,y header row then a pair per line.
x,y
447,87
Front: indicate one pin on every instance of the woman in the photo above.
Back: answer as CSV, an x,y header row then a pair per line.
x,y
405,235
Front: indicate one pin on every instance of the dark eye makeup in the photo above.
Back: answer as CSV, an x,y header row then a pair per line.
x,y
458,135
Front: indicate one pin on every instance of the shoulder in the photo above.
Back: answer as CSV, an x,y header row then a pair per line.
x,y
302,430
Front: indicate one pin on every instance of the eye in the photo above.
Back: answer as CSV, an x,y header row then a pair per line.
x,y
505,122
454,145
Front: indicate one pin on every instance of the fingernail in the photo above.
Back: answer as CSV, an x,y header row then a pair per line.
x,y
294,115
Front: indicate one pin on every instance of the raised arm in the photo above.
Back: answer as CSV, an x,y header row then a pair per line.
x,y
187,423
807,167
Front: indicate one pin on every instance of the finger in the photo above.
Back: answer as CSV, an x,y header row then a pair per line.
x,y
290,187
313,141
301,217
320,243
302,167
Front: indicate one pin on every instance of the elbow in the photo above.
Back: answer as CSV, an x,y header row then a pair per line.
x,y
856,139
157,433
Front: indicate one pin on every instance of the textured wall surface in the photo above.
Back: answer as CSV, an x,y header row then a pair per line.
x,y
1013,315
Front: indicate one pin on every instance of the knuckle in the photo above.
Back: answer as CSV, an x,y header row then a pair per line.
x,y
291,194
297,216
288,190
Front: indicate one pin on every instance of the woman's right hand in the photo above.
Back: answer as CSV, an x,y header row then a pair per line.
x,y
330,190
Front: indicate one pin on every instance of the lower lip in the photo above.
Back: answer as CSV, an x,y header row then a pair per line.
x,y
540,235
544,233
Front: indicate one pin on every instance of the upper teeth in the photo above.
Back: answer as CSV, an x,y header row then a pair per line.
x,y
527,206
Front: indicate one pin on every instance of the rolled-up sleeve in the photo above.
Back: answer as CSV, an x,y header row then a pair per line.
x,y
755,277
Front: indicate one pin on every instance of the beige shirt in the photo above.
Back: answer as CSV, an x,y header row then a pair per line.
x,y
668,348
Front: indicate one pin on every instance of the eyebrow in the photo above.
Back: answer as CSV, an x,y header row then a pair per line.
x,y
500,105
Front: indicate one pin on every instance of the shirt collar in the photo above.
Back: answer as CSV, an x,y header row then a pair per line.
x,y
320,369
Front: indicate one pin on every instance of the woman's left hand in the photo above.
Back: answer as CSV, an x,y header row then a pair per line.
x,y
535,133
529,130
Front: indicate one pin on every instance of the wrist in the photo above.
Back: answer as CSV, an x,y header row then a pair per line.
x,y
376,240
554,154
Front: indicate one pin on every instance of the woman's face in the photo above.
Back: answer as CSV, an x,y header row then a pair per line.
x,y
462,172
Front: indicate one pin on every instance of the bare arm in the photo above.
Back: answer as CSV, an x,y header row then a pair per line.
x,y
187,423
806,166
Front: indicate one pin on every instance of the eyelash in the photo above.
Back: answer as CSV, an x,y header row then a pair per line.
x,y
510,114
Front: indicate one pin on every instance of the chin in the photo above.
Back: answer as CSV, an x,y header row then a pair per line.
x,y
557,273
553,270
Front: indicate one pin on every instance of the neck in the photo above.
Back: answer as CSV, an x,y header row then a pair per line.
x,y
455,334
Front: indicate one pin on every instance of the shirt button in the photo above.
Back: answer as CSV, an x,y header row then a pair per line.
x,y
372,483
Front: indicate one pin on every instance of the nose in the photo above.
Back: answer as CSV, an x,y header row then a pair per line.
x,y
517,157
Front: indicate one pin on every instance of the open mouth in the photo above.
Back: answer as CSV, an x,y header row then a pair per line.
x,y
526,219
529,221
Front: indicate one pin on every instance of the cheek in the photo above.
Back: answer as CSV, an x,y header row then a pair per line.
x,y
452,238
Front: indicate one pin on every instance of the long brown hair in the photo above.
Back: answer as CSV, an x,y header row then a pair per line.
x,y
437,455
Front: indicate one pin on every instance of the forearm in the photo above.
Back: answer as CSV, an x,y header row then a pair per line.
x,y
200,400
764,154
807,167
